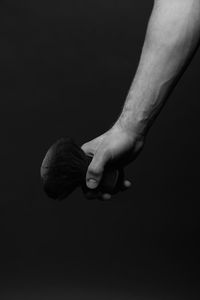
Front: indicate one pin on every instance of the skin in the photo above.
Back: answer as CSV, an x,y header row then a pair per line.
x,y
172,38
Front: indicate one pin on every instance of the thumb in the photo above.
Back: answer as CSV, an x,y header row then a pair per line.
x,y
95,169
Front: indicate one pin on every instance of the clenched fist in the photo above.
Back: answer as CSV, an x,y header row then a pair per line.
x,y
116,147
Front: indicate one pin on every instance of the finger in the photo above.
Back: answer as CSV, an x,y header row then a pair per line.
x,y
95,169
87,149
106,197
127,184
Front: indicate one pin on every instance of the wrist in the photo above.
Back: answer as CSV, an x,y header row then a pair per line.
x,y
135,137
134,140
132,125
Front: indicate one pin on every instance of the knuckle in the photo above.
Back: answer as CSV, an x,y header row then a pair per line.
x,y
84,147
95,170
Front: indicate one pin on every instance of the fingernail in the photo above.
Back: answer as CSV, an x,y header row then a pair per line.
x,y
92,183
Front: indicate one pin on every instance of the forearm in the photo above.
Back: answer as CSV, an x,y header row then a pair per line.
x,y
171,40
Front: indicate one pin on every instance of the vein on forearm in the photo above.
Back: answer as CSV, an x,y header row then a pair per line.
x,y
171,40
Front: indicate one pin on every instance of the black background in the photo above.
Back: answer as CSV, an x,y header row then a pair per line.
x,y
65,69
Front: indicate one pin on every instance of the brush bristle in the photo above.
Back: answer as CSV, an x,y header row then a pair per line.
x,y
63,168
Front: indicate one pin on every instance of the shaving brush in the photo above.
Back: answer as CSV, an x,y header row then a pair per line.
x,y
64,168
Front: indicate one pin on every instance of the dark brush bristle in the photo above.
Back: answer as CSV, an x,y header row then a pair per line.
x,y
63,168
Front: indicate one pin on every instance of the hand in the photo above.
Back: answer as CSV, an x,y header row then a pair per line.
x,y
116,147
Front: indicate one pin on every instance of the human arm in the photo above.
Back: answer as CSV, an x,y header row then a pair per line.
x,y
172,37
